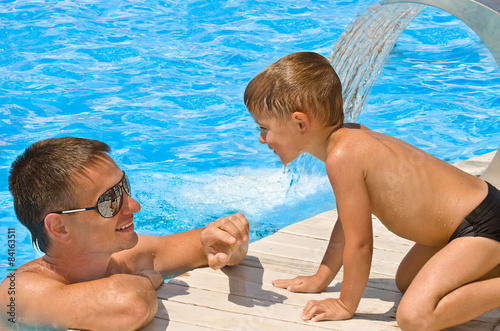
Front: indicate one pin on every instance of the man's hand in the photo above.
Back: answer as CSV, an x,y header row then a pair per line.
x,y
328,309
225,241
303,284
154,277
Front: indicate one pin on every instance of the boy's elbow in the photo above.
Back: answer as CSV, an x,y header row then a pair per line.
x,y
361,247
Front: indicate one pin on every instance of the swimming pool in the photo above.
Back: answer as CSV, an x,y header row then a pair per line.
x,y
162,83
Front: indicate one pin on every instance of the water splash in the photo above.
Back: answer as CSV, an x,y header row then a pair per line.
x,y
361,50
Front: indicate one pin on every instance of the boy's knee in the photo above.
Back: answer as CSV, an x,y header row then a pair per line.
x,y
411,317
409,322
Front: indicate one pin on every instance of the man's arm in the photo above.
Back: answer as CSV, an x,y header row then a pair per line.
x,y
223,242
119,302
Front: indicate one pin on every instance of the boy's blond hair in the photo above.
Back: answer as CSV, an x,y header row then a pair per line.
x,y
304,82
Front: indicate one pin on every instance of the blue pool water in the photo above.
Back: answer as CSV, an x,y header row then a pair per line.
x,y
162,83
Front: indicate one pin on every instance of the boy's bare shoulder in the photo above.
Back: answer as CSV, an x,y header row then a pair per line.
x,y
356,146
350,138
350,151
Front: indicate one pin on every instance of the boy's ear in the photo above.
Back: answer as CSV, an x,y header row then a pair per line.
x,y
56,228
303,121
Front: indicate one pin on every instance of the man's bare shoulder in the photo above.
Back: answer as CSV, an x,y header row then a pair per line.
x,y
21,286
34,271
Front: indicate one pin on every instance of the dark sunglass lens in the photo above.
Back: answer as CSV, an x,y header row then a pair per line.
x,y
110,202
126,185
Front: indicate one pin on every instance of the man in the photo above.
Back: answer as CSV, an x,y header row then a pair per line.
x,y
97,272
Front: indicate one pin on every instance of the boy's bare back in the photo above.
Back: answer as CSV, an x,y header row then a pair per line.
x,y
414,194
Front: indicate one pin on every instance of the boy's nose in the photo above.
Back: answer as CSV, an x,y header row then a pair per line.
x,y
262,140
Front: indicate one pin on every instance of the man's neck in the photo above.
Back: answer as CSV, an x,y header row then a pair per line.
x,y
76,268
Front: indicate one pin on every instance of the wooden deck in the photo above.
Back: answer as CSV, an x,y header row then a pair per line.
x,y
242,297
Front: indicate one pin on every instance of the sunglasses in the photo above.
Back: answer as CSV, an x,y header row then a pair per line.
x,y
109,203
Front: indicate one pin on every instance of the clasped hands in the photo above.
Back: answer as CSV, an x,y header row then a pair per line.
x,y
225,241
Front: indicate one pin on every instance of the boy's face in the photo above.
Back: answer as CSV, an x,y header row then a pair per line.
x,y
281,136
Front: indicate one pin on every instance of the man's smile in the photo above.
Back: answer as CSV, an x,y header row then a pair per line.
x,y
126,226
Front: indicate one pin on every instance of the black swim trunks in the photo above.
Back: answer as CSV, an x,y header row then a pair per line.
x,y
484,221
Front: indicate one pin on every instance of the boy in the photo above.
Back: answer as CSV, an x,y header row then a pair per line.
x,y
452,274
97,273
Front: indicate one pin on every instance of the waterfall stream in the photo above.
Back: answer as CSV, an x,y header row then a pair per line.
x,y
361,50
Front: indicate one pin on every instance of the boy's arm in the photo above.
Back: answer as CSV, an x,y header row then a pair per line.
x,y
119,302
223,242
347,176
333,258
358,247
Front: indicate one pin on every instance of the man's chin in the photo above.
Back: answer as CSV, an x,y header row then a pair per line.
x,y
131,242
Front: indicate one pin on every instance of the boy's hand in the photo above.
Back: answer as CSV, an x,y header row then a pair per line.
x,y
328,309
304,284
225,241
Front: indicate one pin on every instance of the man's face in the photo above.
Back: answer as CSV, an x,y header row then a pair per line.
x,y
90,230
282,137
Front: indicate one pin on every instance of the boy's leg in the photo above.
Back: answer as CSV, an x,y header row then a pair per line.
x,y
446,292
411,264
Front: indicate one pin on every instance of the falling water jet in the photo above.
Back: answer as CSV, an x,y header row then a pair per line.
x,y
361,50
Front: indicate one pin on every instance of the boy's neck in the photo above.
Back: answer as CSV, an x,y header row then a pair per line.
x,y
322,142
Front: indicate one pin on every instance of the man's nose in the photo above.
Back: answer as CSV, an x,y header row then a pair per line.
x,y
130,204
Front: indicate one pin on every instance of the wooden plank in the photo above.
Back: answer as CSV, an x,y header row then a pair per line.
x,y
276,263
163,324
210,317
311,247
251,309
250,286
314,252
322,227
298,267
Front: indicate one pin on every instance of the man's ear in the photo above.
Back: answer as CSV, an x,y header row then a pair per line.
x,y
302,121
56,228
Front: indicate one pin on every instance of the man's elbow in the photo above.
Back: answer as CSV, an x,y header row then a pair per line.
x,y
137,311
137,307
143,312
